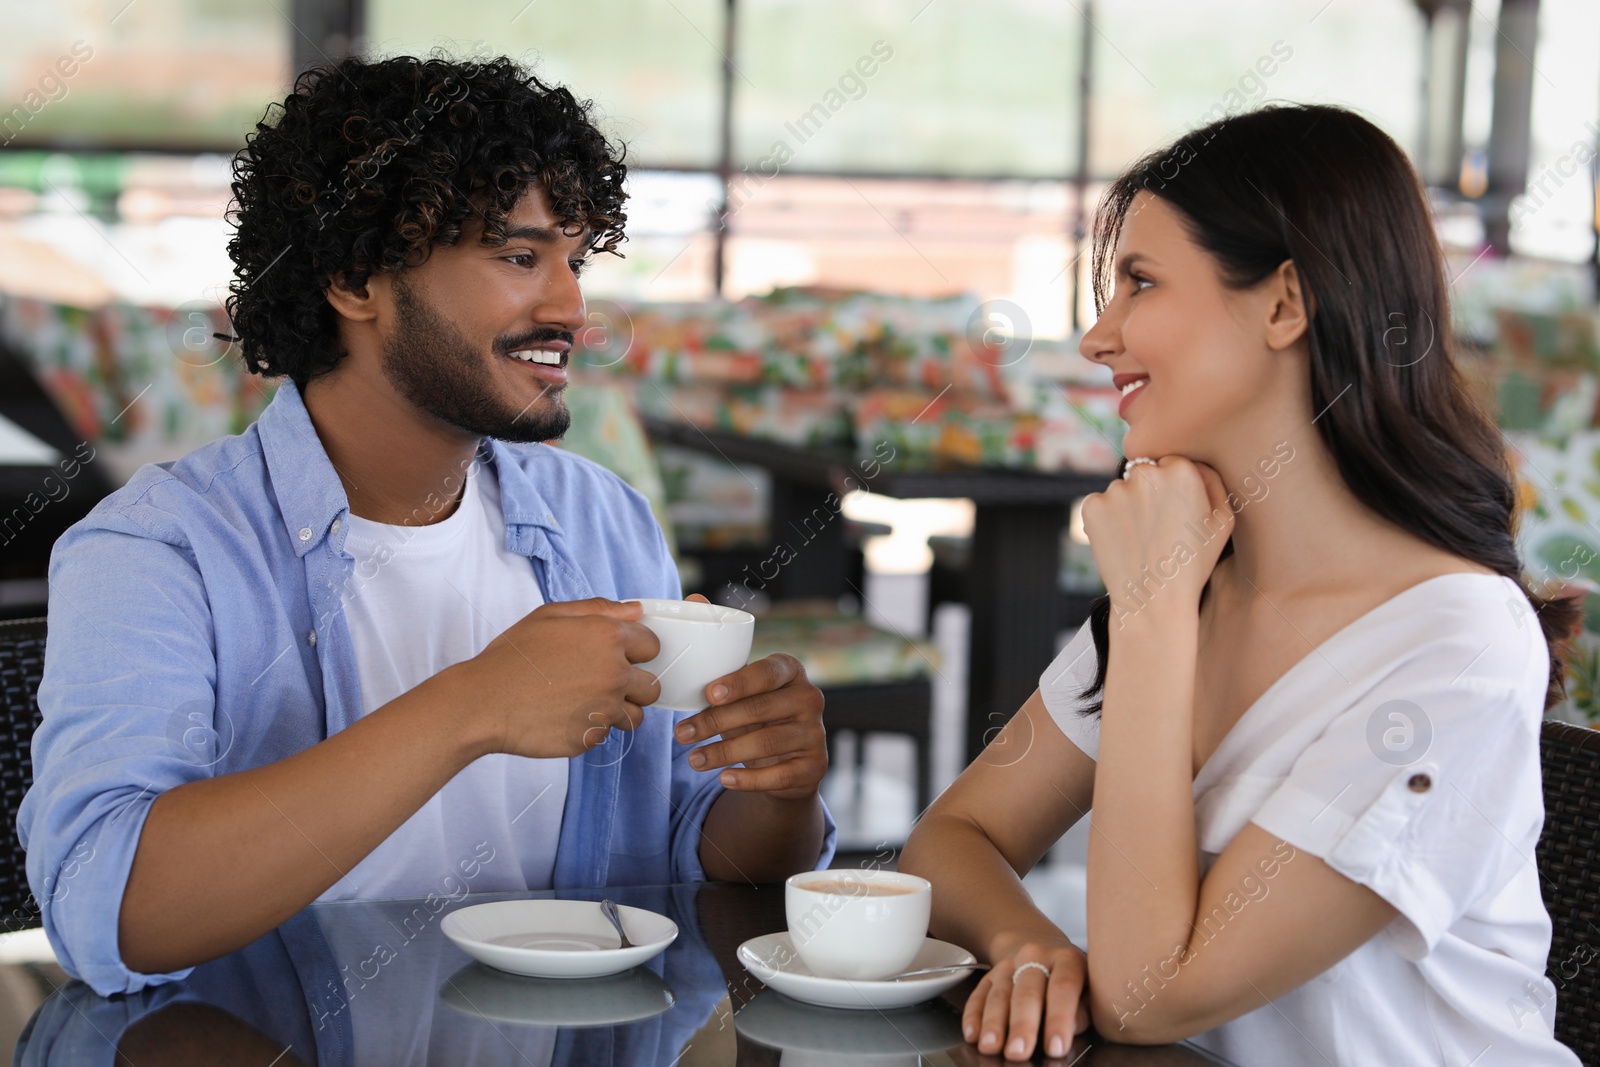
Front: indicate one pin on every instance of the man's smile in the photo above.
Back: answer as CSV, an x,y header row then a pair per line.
x,y
543,352
547,361
532,355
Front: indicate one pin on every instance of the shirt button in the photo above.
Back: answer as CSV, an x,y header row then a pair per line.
x,y
305,533
1420,783
311,639
336,524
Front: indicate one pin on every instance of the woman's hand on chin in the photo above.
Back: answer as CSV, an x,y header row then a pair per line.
x,y
1004,1014
1157,534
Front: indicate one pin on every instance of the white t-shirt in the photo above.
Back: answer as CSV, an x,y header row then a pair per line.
x,y
423,598
1404,752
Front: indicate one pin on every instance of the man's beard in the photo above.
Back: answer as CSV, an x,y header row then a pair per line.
x,y
431,364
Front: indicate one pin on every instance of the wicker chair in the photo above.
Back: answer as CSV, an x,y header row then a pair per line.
x,y
21,666
1569,868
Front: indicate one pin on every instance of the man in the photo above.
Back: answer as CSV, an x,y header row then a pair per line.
x,y
373,645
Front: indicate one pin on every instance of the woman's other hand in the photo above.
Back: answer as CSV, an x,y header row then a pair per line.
x,y
1004,1015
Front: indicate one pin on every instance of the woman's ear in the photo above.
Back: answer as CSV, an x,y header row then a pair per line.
x,y
356,303
1288,318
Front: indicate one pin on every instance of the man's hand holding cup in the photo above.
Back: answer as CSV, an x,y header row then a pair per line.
x,y
556,682
767,715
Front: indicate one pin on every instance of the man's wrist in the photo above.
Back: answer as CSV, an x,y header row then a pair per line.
x,y
779,807
797,803
473,732
754,836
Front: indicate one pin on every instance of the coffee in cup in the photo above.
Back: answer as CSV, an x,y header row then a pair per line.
x,y
699,644
857,924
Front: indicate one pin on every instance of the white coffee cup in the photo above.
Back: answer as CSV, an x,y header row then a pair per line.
x,y
699,644
857,924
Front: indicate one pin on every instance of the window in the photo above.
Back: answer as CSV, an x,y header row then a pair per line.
x,y
1165,66
177,74
953,89
1555,217
653,69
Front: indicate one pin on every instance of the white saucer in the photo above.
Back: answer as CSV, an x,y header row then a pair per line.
x,y
773,959
556,938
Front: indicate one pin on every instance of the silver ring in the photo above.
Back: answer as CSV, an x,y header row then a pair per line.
x,y
1127,472
1034,965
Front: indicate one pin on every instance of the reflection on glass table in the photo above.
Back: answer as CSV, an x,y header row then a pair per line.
x,y
377,982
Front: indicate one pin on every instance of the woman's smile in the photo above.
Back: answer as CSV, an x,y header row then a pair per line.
x,y
1130,384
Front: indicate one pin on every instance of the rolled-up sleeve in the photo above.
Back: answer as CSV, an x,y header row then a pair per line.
x,y
1429,796
128,699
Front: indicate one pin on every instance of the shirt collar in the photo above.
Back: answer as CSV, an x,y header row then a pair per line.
x,y
520,499
309,493
311,496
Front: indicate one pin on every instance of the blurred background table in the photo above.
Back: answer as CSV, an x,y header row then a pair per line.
x,y
45,470
1019,515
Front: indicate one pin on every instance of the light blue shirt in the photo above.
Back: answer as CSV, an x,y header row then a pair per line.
x,y
196,629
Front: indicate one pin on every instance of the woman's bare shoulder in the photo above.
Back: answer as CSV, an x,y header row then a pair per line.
x,y
1434,562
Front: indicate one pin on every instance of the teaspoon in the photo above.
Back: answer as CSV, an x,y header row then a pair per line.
x,y
609,909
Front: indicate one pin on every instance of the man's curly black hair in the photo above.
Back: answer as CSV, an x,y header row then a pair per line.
x,y
371,163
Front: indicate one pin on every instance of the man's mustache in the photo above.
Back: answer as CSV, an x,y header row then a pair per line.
x,y
540,336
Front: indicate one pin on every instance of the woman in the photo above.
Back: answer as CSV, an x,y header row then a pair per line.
x,y
1307,715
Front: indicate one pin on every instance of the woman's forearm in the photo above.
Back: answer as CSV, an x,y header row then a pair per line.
x,y
1143,860
980,903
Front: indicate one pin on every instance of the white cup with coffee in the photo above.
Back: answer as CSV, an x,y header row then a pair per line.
x,y
857,924
699,644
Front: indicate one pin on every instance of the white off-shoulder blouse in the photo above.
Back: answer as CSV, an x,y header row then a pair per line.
x,y
1403,752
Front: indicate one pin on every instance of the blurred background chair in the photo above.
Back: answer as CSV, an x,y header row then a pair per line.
x,y
875,682
1569,869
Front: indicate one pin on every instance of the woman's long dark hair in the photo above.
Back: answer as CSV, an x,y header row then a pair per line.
x,y
1329,190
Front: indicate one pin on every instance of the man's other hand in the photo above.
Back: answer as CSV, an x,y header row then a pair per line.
x,y
768,717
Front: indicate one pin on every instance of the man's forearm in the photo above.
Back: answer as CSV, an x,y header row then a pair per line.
x,y
754,837
222,861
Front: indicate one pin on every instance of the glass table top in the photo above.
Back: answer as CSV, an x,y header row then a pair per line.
x,y
377,982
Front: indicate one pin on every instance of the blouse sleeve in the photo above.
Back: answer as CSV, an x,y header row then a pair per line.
x,y
1062,685
1429,795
